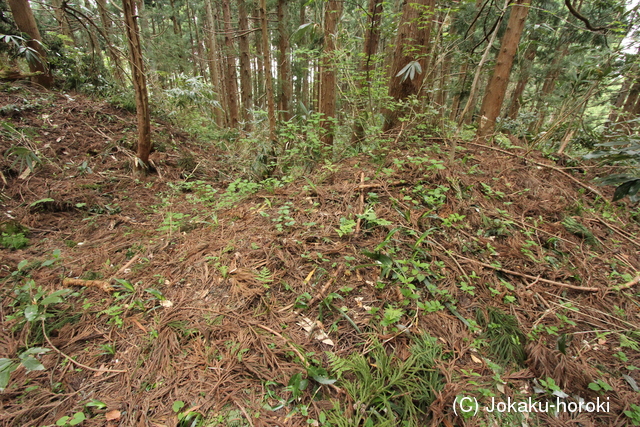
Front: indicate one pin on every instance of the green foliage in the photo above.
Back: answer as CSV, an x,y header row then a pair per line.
x,y
26,359
18,47
77,418
633,414
502,334
624,150
384,390
22,156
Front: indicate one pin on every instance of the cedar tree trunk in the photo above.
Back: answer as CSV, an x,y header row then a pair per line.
x,y
495,93
139,84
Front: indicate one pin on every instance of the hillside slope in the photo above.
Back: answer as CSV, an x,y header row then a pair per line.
x,y
197,293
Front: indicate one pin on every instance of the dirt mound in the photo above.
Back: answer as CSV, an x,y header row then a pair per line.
x,y
205,296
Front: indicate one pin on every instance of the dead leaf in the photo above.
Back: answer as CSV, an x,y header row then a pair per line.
x,y
113,415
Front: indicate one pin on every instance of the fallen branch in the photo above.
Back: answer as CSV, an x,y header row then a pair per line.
x,y
361,208
46,337
581,184
630,283
528,276
323,291
100,284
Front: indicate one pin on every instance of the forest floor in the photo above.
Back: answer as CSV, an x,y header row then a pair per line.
x,y
378,290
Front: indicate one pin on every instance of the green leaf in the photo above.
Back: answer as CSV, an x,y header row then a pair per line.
x,y
78,417
55,297
626,189
37,202
7,366
93,403
32,364
33,350
177,405
126,285
31,313
62,421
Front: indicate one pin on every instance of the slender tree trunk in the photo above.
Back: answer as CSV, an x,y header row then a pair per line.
x,y
549,84
496,90
371,43
303,95
284,64
213,62
327,101
460,90
245,66
231,78
619,102
63,22
176,26
266,49
525,72
412,46
194,50
259,80
111,50
23,16
139,84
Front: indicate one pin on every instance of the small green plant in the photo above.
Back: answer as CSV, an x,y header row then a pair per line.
x,y
452,219
600,386
26,359
284,219
347,227
76,419
392,316
13,241
388,391
634,414
23,156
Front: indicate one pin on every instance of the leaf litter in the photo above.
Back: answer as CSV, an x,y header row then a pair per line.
x,y
227,304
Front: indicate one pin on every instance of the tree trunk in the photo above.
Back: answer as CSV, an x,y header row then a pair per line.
x,y
245,66
111,50
284,64
303,90
139,84
259,80
231,78
371,43
213,62
176,26
495,93
327,101
23,16
525,72
266,50
412,46
63,22
549,84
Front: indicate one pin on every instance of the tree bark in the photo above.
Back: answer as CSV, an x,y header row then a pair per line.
x,y
327,101
259,68
266,50
246,93
284,64
549,84
525,72
497,87
371,43
412,45
23,16
139,84
213,62
231,78
111,50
